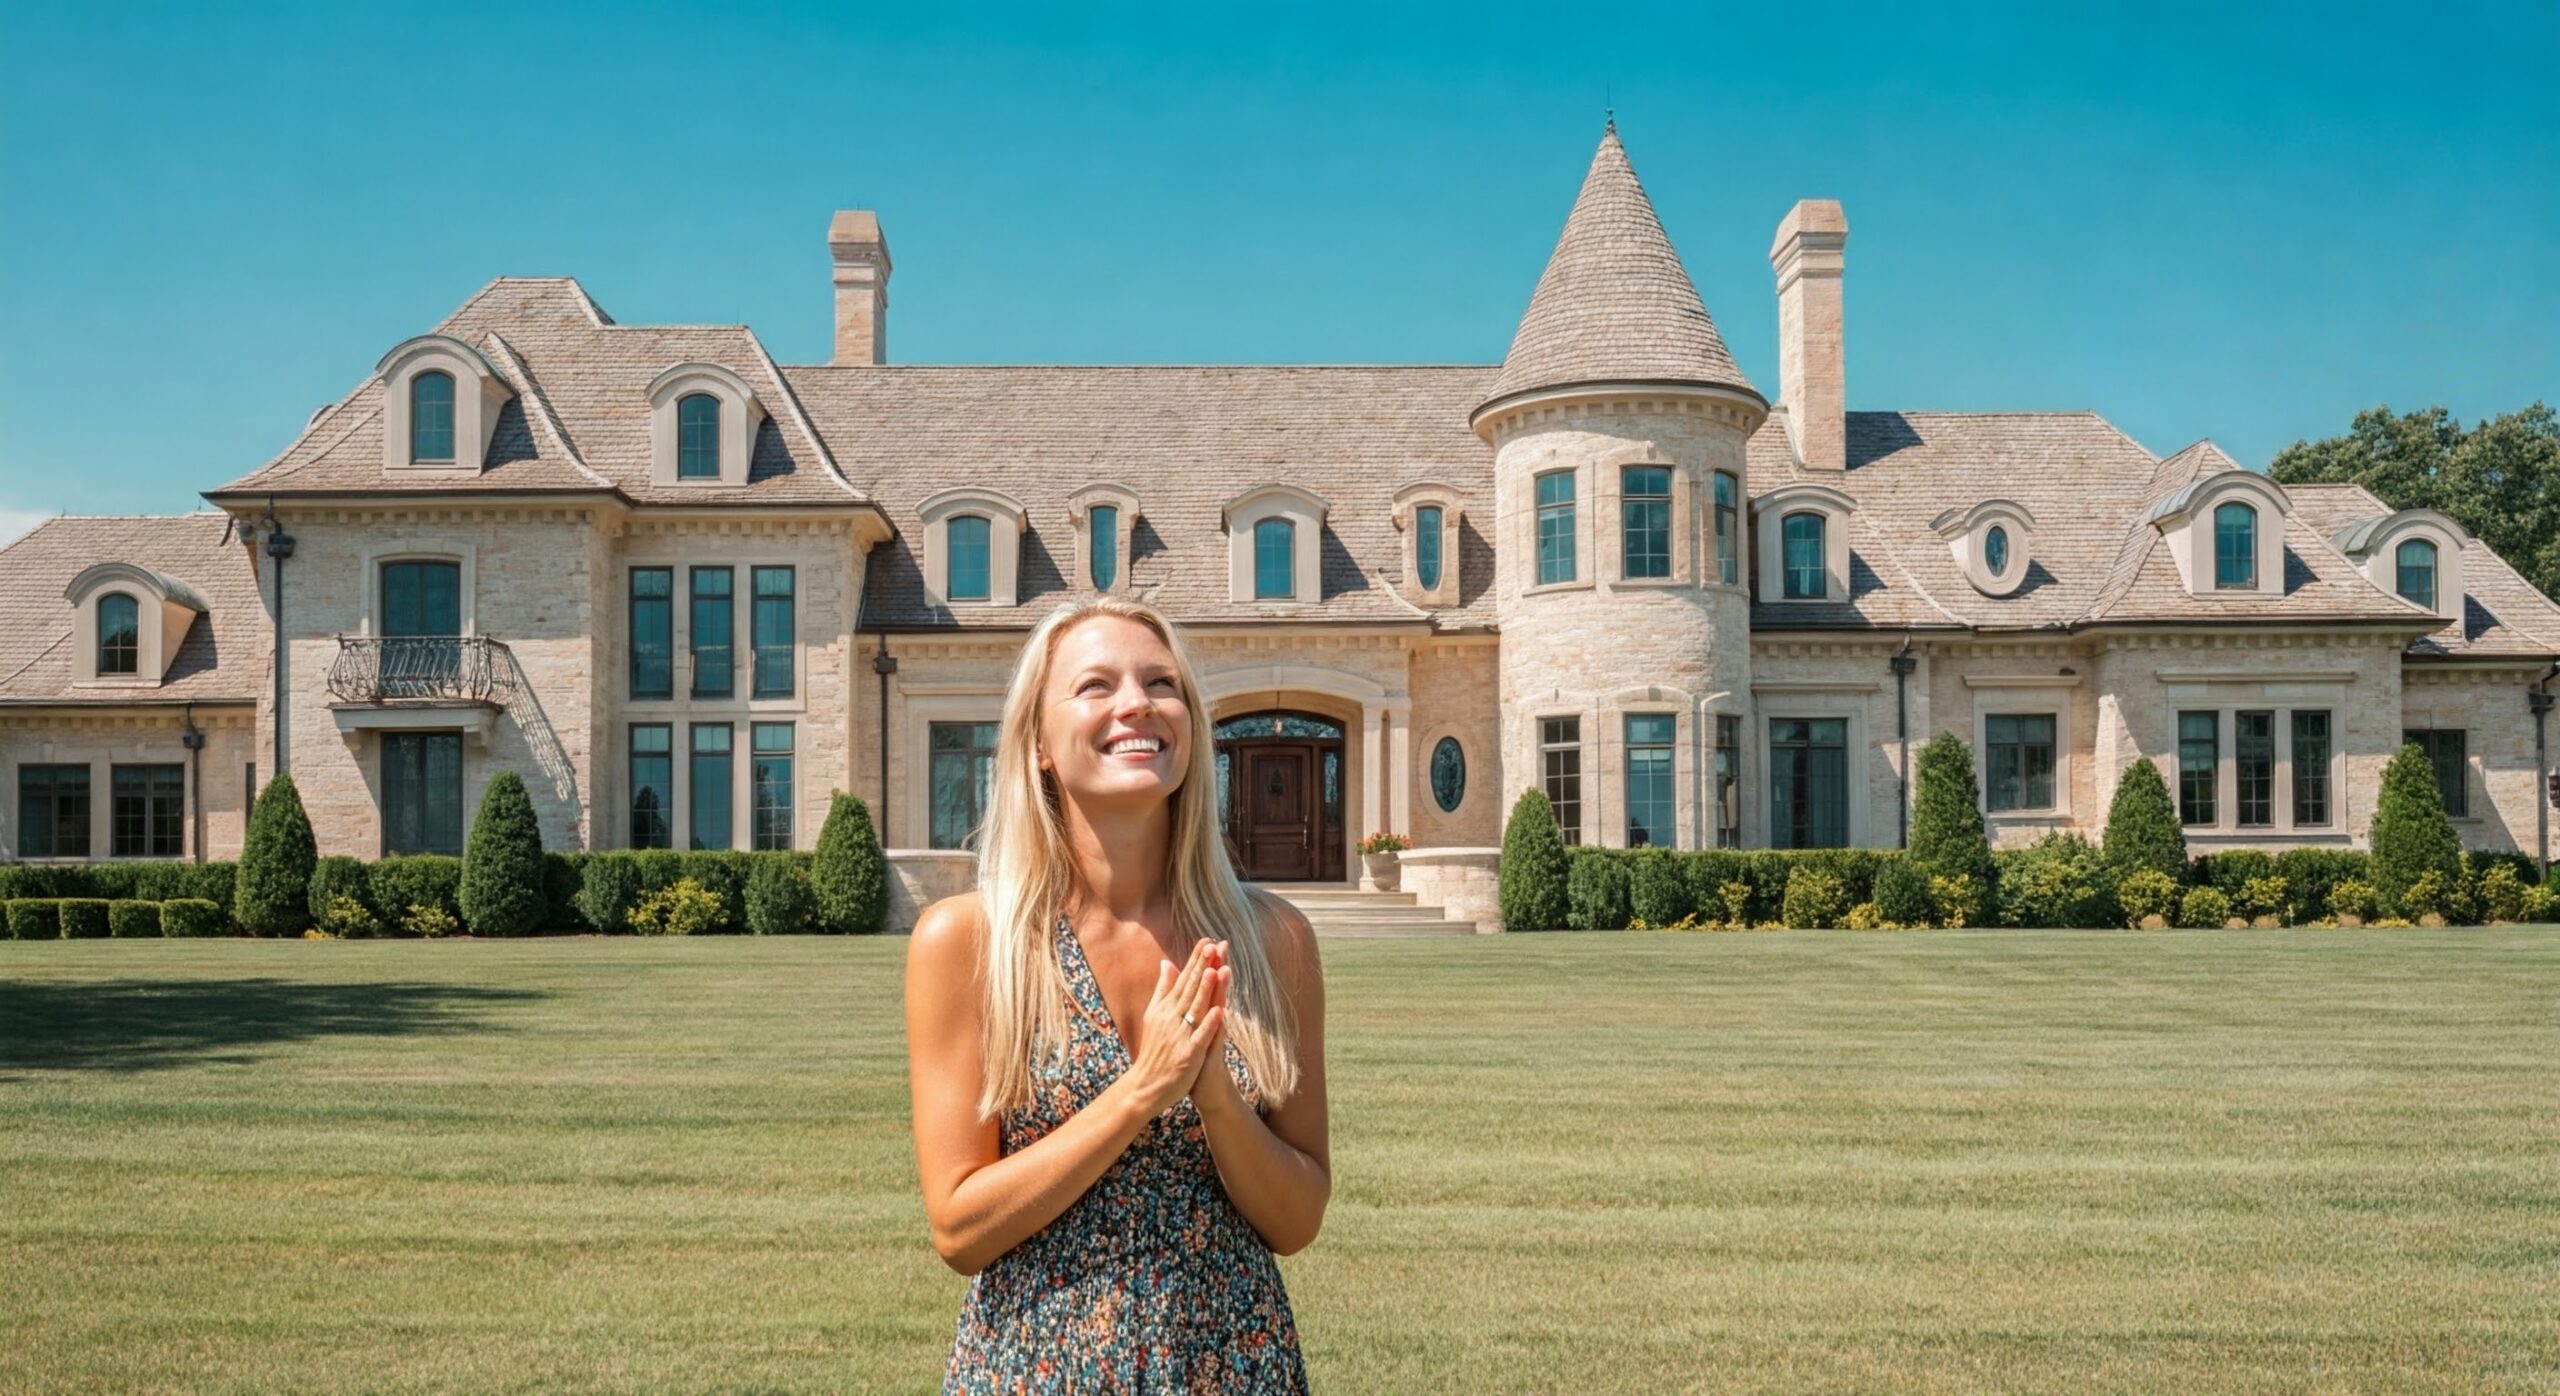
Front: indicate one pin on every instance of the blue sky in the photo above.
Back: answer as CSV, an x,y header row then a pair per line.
x,y
2237,221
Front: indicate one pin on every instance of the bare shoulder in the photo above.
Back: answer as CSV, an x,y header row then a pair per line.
x,y
1287,937
943,949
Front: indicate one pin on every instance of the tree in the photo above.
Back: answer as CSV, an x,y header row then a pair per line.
x,y
849,875
503,877
2500,480
2142,826
1530,882
1947,837
2411,835
272,896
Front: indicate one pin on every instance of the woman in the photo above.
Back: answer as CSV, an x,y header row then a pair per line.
x,y
1113,1146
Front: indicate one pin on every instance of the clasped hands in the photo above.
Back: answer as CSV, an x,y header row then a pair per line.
x,y
1174,1058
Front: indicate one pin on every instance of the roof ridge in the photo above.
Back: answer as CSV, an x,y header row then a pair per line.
x,y
1136,367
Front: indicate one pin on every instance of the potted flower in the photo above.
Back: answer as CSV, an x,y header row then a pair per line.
x,y
1378,868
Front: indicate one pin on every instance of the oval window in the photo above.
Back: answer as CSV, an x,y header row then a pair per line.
x,y
1448,774
1995,550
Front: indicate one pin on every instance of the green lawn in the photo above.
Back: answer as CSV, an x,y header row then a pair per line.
x,y
1959,1161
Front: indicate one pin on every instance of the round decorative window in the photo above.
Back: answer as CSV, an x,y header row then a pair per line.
x,y
1448,774
1995,550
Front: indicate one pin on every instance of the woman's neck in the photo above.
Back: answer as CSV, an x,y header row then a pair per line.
x,y
1119,857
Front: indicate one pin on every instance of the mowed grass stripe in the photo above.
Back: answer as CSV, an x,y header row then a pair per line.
x,y
1982,1161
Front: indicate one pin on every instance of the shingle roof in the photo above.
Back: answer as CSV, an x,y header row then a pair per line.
x,y
223,656
1187,440
2503,614
1614,304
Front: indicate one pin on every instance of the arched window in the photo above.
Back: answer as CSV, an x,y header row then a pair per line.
x,y
1801,560
1275,543
698,437
969,557
1426,546
1644,521
2235,547
1728,529
431,416
2415,562
119,634
1104,544
1995,550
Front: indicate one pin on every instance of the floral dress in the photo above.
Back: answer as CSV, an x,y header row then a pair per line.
x,y
1150,1282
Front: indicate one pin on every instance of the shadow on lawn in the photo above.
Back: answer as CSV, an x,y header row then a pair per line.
x,y
150,1024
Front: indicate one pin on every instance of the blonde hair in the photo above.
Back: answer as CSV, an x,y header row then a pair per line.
x,y
1026,881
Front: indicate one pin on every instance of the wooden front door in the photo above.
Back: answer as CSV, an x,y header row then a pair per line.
x,y
1279,812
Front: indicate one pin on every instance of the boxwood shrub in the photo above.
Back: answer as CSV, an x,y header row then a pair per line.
x,y
779,899
336,877
1595,889
35,918
130,917
84,918
192,917
418,879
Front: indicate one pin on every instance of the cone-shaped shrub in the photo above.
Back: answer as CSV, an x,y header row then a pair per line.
x,y
849,875
2142,826
1947,838
502,873
272,894
1530,883
2411,836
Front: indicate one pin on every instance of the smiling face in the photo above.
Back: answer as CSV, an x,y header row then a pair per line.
x,y
1114,724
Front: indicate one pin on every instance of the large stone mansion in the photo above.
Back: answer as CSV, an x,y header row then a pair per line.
x,y
687,592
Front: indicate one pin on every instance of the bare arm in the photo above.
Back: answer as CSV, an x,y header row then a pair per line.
x,y
979,1201
1279,1172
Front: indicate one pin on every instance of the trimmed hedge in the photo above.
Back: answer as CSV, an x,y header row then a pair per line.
x,y
84,918
1596,888
130,917
192,917
35,918
337,877
779,902
563,874
417,879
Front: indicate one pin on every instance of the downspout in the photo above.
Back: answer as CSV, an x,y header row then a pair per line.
x,y
1902,663
279,547
884,664
2539,702
193,740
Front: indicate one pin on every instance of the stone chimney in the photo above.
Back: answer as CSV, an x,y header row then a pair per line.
x,y
862,287
1812,360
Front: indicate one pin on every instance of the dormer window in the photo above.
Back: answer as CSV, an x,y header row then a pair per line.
x,y
1802,552
2235,548
440,403
1427,513
119,634
1426,547
2414,562
1103,545
431,418
703,421
1803,558
1101,517
972,546
1272,536
1274,560
1991,542
698,437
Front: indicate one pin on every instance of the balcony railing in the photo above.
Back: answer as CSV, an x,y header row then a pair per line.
x,y
428,668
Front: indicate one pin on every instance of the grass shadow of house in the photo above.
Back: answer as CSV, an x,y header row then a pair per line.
x,y
134,1025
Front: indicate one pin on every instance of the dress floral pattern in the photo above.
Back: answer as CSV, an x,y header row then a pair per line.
x,y
1152,1282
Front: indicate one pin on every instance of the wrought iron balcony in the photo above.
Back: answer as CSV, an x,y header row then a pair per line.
x,y
427,668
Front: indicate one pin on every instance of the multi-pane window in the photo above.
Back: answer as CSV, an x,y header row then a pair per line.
x,y
149,813
1728,529
774,625
1426,546
2018,761
1728,791
2235,547
769,783
421,792
1560,756
1650,816
1801,563
698,437
708,771
970,566
1104,544
962,778
2199,765
119,634
2310,768
2253,748
653,636
431,417
1644,521
53,811
1448,774
1809,782
2445,751
714,626
1555,527
653,785
2415,563
421,597
1275,547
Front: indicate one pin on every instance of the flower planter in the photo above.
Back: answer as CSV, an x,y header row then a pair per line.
x,y
1379,872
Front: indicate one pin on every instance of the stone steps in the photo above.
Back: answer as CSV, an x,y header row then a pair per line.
x,y
1342,912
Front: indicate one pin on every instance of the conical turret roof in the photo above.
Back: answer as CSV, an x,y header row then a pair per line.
x,y
1614,305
